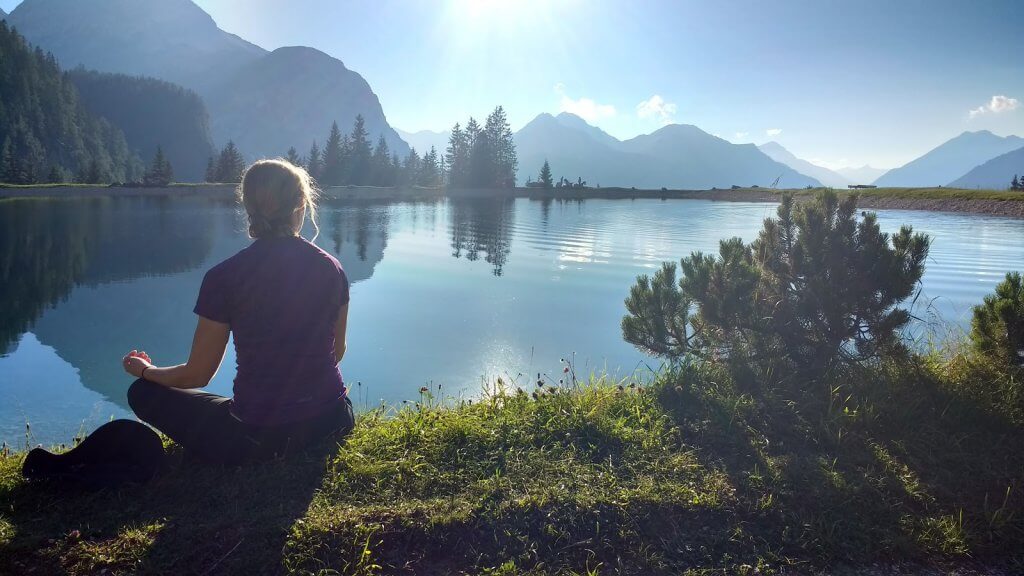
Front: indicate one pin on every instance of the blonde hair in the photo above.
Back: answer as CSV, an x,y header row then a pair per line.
x,y
272,191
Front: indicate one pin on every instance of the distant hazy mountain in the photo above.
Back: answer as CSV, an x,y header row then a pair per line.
x,y
675,156
575,154
2,14
289,98
863,175
777,152
573,121
424,139
693,158
951,160
172,40
264,101
995,174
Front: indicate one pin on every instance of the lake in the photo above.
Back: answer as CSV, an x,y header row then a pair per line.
x,y
449,294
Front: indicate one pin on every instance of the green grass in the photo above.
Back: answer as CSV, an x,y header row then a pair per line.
x,y
697,473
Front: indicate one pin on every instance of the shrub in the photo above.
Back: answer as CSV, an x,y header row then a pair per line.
x,y
816,287
997,328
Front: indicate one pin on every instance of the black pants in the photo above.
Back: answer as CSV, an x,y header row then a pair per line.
x,y
203,425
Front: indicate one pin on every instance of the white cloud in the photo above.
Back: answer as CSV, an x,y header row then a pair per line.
x,y
656,107
585,108
773,131
996,105
741,136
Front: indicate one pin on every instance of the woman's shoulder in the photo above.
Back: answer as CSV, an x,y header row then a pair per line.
x,y
319,254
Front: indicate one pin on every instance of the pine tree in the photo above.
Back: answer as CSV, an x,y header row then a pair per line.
x,y
380,163
230,164
502,162
333,158
545,175
160,172
429,174
314,163
293,157
457,157
411,168
1016,184
361,153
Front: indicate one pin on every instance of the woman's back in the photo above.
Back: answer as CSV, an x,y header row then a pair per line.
x,y
281,297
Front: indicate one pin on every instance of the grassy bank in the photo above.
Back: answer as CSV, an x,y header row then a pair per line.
x,y
902,463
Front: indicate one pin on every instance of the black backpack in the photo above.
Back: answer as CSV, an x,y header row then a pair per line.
x,y
118,452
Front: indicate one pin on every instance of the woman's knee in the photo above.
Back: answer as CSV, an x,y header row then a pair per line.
x,y
141,396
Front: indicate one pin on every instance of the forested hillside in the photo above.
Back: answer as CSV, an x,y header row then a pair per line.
x,y
151,113
46,133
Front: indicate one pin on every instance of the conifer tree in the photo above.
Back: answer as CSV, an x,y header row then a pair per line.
x,y
314,163
380,164
230,164
545,175
333,158
457,157
429,174
502,162
411,168
1015,185
160,172
361,153
293,157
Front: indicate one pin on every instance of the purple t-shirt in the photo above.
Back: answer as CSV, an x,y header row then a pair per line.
x,y
281,297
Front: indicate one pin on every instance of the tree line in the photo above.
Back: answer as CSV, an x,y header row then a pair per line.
x,y
476,157
1017,184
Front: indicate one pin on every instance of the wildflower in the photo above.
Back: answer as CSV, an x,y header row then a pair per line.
x,y
565,370
424,389
540,383
535,395
621,388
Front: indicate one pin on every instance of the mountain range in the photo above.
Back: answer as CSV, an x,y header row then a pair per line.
x,y
264,101
994,174
776,152
424,139
951,160
861,175
267,101
676,156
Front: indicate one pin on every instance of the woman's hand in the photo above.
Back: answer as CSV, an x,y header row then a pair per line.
x,y
135,363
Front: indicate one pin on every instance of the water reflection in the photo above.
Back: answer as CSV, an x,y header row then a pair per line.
x,y
47,247
482,226
358,236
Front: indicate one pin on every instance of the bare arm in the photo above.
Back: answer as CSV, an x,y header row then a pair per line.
x,y
340,329
208,345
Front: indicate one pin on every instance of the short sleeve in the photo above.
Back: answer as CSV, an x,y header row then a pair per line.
x,y
344,286
212,303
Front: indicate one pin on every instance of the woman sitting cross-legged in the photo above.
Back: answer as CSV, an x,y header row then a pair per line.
x,y
286,302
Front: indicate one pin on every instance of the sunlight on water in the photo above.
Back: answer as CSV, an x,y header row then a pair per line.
x,y
452,294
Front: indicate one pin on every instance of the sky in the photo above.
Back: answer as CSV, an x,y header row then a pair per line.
x,y
840,83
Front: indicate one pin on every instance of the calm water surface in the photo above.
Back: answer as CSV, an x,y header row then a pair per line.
x,y
450,294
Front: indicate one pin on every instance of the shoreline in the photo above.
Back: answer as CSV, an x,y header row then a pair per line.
x,y
983,202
